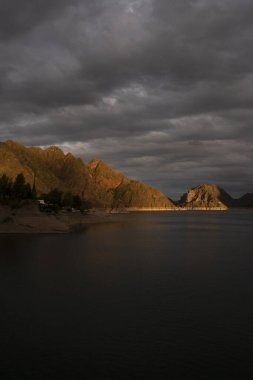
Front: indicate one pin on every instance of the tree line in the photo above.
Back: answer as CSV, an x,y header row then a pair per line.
x,y
19,190
65,199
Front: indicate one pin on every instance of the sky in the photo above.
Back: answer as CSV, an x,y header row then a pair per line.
x,y
161,90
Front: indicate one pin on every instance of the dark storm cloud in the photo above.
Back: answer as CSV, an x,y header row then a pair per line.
x,y
162,90
18,17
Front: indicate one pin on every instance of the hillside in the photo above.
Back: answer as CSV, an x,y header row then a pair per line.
x,y
96,182
245,201
206,196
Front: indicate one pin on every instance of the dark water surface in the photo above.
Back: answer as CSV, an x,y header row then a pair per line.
x,y
156,296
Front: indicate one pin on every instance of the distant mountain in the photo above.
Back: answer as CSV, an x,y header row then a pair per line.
x,y
96,182
206,196
245,201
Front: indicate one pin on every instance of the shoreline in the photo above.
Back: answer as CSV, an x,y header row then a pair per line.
x,y
156,209
29,219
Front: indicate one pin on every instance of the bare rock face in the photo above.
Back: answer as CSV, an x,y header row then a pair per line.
x,y
96,182
131,194
206,196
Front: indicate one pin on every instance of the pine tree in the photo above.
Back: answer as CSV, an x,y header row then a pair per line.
x,y
5,187
19,188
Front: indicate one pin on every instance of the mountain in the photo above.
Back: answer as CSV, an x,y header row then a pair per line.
x,y
245,201
96,182
206,196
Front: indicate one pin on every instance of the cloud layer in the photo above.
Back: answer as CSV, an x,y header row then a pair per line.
x,y
162,90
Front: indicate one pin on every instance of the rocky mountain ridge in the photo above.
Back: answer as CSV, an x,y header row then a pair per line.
x,y
96,182
101,185
212,197
206,196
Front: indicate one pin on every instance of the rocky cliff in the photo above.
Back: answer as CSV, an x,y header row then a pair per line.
x,y
206,196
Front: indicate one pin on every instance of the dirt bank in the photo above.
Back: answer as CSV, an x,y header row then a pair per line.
x,y
29,219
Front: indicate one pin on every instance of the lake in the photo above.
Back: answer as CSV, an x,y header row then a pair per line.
x,y
152,296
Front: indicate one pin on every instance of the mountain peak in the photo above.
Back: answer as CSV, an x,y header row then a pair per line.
x,y
93,164
206,196
54,150
13,144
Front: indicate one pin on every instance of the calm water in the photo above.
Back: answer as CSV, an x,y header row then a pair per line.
x,y
155,296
